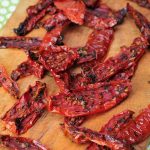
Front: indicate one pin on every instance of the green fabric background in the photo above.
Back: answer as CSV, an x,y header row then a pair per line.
x,y
7,7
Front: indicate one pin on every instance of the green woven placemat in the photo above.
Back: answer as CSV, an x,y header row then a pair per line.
x,y
7,7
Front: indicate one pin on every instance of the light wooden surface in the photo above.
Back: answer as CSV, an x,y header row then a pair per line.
x,y
47,129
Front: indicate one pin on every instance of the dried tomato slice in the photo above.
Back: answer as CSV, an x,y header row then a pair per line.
x,y
91,3
56,19
30,22
91,99
60,60
51,38
100,18
122,126
84,135
7,83
35,9
138,129
20,143
32,43
143,3
27,110
97,46
142,23
114,125
27,68
73,9
124,60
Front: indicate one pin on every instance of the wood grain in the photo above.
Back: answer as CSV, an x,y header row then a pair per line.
x,y
47,129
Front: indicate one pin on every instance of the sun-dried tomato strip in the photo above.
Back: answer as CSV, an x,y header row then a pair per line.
x,y
74,10
32,43
114,125
138,129
27,110
124,60
60,60
35,9
142,23
27,68
122,126
30,22
143,3
51,38
95,19
84,135
97,46
91,3
91,99
8,83
54,20
20,143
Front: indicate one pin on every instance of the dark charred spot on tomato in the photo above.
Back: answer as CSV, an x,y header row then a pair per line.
x,y
59,41
92,77
21,29
123,56
136,133
15,76
120,15
3,79
122,120
33,56
49,28
18,123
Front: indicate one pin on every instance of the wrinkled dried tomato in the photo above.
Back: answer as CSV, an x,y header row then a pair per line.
x,y
84,135
7,83
20,143
31,43
137,130
102,18
97,46
31,21
91,99
27,68
27,110
142,23
74,10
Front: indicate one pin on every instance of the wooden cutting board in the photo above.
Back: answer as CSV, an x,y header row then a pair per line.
x,y
47,128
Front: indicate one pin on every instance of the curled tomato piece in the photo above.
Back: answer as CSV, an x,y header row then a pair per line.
x,y
137,130
84,135
35,9
142,23
51,38
32,43
27,110
7,83
91,99
27,68
55,20
31,21
73,9
143,3
122,126
97,46
20,143
103,17
124,60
